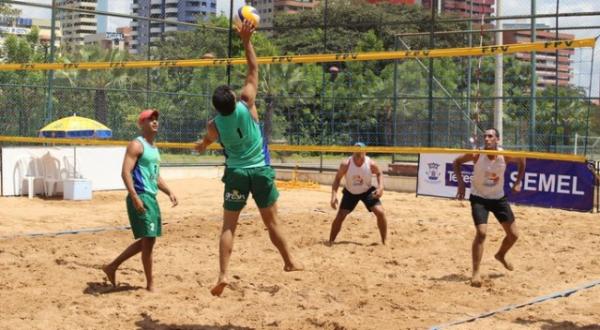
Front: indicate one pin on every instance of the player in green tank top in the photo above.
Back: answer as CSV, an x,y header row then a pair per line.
x,y
141,175
237,128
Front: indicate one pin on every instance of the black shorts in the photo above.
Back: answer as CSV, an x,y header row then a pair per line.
x,y
349,200
481,208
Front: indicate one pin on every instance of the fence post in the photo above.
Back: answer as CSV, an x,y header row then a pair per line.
x,y
587,119
49,116
229,37
323,86
555,139
395,100
499,79
430,80
533,100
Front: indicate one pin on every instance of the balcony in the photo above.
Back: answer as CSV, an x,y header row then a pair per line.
x,y
85,20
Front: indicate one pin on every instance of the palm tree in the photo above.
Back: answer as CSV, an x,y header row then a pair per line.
x,y
277,85
99,80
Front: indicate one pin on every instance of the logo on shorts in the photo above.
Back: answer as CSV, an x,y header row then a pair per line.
x,y
234,196
432,172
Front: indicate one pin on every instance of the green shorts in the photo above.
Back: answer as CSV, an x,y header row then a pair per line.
x,y
147,224
240,182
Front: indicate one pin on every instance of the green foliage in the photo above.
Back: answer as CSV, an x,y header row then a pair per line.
x,y
8,11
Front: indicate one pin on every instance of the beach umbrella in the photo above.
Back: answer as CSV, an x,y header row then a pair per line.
x,y
75,127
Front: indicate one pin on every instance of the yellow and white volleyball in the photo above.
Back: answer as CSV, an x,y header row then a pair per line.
x,y
246,13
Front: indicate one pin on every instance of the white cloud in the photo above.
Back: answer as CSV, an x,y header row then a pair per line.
x,y
35,12
121,7
223,6
581,61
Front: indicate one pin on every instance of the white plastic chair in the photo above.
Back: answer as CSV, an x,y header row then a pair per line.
x,y
51,167
28,171
68,171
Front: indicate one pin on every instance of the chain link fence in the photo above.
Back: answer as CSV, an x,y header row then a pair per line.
x,y
439,102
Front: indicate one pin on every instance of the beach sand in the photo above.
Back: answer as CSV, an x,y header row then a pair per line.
x,y
420,279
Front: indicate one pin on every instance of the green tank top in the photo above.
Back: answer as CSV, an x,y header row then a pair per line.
x,y
242,139
146,170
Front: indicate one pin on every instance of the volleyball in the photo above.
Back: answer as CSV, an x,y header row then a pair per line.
x,y
247,13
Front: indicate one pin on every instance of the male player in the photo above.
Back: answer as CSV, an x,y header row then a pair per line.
x,y
248,169
141,175
487,195
358,170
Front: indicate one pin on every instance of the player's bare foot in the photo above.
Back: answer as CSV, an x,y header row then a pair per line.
x,y
503,261
476,280
111,273
150,288
217,290
293,267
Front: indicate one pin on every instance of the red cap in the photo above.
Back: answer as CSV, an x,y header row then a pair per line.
x,y
147,114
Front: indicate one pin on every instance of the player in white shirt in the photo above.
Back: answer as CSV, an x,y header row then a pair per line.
x,y
358,170
487,195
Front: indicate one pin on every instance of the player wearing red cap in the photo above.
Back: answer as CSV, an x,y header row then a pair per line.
x,y
141,175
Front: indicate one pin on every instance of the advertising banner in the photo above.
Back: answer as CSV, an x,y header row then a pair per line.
x,y
547,183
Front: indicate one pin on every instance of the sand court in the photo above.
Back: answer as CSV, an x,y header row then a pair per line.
x,y
420,279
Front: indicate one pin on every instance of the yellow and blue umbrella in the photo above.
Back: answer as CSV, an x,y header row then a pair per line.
x,y
77,128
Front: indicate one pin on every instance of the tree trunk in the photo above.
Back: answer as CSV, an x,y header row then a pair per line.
x,y
567,133
268,120
388,126
101,106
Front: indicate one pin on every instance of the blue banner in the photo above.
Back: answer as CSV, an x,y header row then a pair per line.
x,y
547,183
551,183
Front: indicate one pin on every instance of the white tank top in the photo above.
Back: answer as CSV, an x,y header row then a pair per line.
x,y
488,177
358,179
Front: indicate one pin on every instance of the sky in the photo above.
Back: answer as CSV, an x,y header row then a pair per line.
x,y
117,6
581,60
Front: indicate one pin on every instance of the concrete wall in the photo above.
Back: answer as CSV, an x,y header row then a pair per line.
x,y
101,165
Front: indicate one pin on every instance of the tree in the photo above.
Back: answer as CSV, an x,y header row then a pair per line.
x,y
21,99
99,80
9,12
558,128
349,19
